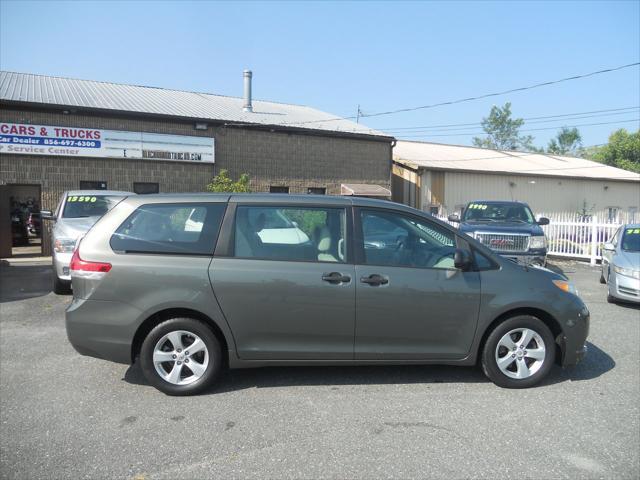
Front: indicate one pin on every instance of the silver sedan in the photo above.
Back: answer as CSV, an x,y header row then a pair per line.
x,y
621,264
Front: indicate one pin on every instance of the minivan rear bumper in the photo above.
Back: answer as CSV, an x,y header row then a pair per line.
x,y
102,329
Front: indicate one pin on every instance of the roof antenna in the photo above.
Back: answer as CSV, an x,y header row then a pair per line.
x,y
359,114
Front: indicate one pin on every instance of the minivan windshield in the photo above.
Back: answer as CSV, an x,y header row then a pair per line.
x,y
83,206
631,240
498,212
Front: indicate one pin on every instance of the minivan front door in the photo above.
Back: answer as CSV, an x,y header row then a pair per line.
x,y
411,303
286,288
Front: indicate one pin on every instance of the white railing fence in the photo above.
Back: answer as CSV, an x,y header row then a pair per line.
x,y
571,236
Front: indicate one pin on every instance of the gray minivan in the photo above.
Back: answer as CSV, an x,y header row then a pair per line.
x,y
191,283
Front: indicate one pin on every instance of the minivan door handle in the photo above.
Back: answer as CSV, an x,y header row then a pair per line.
x,y
335,278
375,280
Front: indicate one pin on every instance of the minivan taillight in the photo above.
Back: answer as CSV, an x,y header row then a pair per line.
x,y
78,265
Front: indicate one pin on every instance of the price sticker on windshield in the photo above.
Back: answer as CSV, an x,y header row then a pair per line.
x,y
477,206
81,198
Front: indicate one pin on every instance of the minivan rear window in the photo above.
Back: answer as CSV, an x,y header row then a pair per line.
x,y
179,229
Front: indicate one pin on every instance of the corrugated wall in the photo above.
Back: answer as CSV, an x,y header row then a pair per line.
x,y
543,194
405,186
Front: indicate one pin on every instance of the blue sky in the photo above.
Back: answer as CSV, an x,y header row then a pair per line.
x,y
336,55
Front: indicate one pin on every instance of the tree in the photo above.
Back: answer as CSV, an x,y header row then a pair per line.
x,y
622,151
503,132
567,140
223,183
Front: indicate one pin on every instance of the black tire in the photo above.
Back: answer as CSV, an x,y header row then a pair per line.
x,y
602,279
196,327
610,298
488,360
60,287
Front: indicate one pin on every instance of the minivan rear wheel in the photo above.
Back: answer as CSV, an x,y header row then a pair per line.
x,y
519,352
181,356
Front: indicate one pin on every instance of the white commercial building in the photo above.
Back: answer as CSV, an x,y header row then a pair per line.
x,y
441,179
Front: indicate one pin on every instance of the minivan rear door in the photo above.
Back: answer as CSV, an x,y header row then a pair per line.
x,y
411,303
283,276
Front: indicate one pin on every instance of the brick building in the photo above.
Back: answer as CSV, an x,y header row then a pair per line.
x,y
59,134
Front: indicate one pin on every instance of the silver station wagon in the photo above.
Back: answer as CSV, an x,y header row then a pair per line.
x,y
188,284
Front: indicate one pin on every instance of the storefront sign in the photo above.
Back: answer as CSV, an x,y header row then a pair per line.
x,y
89,142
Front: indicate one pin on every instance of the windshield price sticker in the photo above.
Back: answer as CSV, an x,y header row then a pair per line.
x,y
477,206
633,231
81,199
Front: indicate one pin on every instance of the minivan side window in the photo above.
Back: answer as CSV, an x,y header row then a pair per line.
x,y
396,240
305,234
181,228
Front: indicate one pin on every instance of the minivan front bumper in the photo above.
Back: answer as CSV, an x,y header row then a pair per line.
x,y
574,339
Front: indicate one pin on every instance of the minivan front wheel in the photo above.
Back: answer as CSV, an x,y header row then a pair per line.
x,y
181,356
519,352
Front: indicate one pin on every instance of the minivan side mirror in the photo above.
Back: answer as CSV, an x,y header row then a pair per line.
x,y
454,218
47,215
543,221
609,247
462,259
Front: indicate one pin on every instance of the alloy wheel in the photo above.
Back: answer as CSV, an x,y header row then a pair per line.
x,y
180,357
520,353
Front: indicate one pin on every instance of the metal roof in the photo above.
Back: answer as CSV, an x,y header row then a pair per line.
x,y
482,160
68,92
364,189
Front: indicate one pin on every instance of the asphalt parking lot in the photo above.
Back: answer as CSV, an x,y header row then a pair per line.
x,y
67,416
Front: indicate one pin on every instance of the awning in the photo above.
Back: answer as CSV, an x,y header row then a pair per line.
x,y
364,190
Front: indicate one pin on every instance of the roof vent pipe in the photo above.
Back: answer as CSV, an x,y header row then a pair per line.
x,y
247,107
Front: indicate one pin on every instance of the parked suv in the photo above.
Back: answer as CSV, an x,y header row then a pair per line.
x,y
370,282
508,228
77,211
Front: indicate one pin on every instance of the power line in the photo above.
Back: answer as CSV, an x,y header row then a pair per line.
x,y
469,99
533,122
603,113
463,134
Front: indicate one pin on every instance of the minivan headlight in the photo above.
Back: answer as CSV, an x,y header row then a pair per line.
x,y
627,272
565,286
64,245
538,242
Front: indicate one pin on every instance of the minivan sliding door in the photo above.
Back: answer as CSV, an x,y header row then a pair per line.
x,y
285,282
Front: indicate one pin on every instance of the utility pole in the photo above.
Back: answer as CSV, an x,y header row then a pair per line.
x,y
358,114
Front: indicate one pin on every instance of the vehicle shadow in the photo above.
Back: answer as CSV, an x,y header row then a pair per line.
x,y
629,305
20,282
595,364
